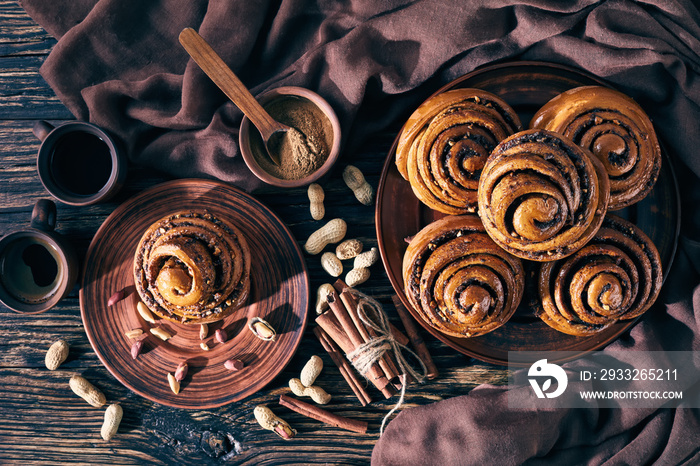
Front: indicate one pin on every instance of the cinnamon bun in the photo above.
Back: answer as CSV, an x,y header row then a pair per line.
x,y
617,276
616,130
444,144
192,267
542,197
458,280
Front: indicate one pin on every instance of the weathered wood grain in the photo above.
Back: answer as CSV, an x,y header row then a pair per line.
x,y
43,422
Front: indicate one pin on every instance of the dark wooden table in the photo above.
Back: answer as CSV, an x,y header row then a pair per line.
x,y
43,422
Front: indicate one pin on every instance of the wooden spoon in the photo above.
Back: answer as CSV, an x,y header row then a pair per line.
x,y
202,53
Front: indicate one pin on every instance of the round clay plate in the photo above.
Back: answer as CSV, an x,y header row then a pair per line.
x,y
279,294
525,86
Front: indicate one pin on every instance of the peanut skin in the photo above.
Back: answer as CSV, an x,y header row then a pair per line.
x,y
297,387
317,394
56,355
113,417
366,259
268,420
331,264
87,391
355,180
322,297
348,249
357,276
311,371
316,196
332,232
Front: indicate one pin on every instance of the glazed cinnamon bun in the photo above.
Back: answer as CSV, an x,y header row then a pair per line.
x,y
542,197
616,130
444,144
458,280
192,267
617,276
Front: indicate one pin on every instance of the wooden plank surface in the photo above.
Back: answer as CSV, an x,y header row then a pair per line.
x,y
43,422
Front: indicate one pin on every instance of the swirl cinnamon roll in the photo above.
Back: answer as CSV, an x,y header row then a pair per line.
x,y
444,144
192,267
617,276
458,280
615,129
542,197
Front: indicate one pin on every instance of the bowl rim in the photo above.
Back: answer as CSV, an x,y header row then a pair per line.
x,y
334,152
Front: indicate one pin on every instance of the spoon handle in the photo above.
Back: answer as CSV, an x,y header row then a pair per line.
x,y
208,60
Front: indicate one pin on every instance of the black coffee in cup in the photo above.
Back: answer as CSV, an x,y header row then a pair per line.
x,y
81,163
38,267
29,269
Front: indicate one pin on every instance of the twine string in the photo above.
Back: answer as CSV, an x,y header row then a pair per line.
x,y
371,313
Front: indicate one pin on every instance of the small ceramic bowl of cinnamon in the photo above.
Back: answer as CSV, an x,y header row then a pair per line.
x,y
301,162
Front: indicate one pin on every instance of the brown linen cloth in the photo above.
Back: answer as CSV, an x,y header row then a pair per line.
x,y
118,64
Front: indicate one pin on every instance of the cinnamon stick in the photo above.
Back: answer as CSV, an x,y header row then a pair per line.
x,y
398,335
314,412
416,340
332,327
343,365
385,363
374,374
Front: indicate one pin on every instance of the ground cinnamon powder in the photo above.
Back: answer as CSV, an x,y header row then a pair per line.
x,y
303,149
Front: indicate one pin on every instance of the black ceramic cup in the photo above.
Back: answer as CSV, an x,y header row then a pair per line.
x,y
79,163
38,267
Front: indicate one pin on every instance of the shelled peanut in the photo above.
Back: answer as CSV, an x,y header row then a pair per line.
x,y
220,335
262,329
174,383
133,333
181,371
136,348
161,333
145,313
115,298
234,364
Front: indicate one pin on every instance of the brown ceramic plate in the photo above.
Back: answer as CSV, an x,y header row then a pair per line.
x,y
525,86
279,294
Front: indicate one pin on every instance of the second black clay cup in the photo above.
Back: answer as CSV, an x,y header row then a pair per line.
x,y
38,267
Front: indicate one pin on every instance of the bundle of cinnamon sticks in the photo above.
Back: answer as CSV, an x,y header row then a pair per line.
x,y
341,331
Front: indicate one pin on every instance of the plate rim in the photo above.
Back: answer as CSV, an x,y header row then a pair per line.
x,y
179,184
398,288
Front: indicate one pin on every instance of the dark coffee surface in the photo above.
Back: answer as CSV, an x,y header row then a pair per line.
x,y
29,271
42,264
81,163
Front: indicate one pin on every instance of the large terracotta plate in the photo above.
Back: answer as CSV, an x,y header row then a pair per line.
x,y
525,86
279,294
